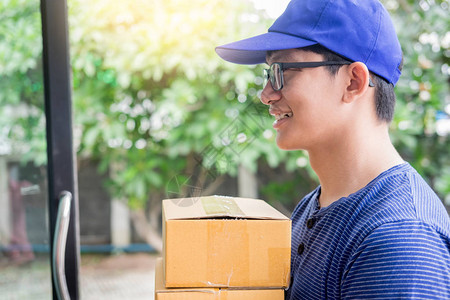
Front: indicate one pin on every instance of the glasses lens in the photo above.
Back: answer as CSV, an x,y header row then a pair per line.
x,y
275,78
266,77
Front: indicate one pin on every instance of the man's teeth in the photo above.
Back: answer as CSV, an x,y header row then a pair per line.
x,y
282,116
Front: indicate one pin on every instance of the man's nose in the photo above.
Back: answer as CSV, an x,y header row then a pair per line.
x,y
269,95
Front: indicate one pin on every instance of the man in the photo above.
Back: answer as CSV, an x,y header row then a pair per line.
x,y
373,228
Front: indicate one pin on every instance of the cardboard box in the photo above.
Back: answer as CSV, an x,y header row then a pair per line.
x,y
162,293
221,241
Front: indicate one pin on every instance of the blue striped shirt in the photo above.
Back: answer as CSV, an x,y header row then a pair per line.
x,y
389,240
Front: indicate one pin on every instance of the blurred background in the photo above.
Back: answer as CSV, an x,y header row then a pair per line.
x,y
157,114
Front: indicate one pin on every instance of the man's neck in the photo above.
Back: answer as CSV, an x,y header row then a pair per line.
x,y
348,166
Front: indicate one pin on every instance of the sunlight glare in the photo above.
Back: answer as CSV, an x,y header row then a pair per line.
x,y
273,8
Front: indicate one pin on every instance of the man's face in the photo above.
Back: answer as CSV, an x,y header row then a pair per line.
x,y
308,109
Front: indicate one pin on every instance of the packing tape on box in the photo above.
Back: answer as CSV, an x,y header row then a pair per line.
x,y
220,259
215,205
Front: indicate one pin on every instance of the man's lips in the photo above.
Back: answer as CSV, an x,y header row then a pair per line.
x,y
280,116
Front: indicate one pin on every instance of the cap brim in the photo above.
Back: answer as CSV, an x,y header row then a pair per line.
x,y
253,50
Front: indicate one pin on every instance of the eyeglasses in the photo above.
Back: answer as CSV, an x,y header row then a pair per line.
x,y
274,73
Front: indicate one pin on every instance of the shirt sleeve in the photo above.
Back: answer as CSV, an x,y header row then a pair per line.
x,y
405,259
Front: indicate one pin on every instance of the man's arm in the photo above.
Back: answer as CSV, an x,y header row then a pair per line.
x,y
406,259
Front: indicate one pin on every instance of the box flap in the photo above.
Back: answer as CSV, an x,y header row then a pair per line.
x,y
219,206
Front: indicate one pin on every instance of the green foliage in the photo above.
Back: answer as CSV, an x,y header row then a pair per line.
x,y
423,90
159,109
152,96
22,121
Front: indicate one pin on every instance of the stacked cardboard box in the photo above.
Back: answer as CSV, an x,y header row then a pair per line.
x,y
223,248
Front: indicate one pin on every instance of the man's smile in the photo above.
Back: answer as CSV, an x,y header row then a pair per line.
x,y
279,115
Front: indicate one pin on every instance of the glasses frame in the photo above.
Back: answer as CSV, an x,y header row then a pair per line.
x,y
269,73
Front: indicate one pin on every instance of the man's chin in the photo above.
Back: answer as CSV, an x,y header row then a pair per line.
x,y
287,145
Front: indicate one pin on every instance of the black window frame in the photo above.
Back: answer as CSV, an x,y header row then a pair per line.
x,y
60,152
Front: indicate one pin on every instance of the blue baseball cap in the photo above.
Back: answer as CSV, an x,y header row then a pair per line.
x,y
359,30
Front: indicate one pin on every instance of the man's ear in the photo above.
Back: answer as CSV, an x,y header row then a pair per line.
x,y
357,81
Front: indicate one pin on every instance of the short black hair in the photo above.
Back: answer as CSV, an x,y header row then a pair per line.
x,y
384,91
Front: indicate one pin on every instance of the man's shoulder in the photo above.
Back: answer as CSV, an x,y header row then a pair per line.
x,y
397,194
396,197
404,194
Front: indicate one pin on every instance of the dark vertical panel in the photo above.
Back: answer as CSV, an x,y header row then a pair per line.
x,y
61,169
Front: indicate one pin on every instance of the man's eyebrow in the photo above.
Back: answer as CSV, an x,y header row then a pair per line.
x,y
271,55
